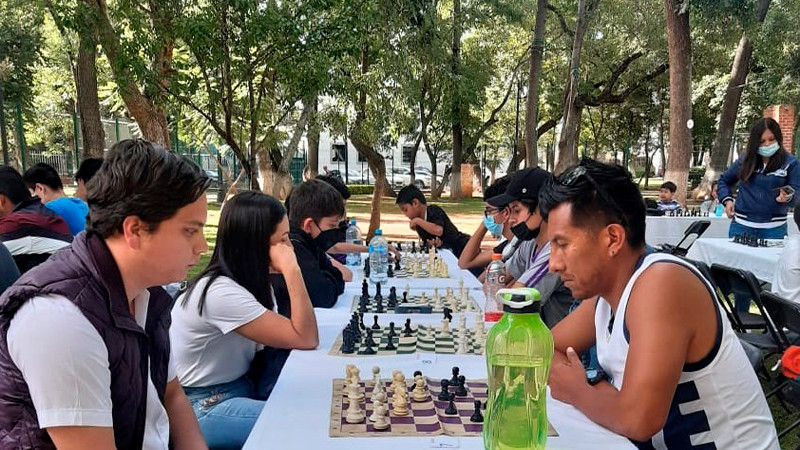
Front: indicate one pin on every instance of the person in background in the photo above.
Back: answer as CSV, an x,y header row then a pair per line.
x,y
228,310
786,282
697,391
430,221
495,222
709,206
8,269
666,202
31,231
44,182
85,346
86,172
767,176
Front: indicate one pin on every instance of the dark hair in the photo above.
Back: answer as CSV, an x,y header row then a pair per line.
x,y
88,168
670,186
139,178
752,160
408,194
246,224
498,187
337,184
315,199
44,174
12,185
606,194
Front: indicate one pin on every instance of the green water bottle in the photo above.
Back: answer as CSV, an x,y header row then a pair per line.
x,y
519,351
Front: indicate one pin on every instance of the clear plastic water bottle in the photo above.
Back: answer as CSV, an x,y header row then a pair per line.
x,y
378,258
353,236
519,352
495,280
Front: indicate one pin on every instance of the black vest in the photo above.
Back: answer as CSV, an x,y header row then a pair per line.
x,y
87,275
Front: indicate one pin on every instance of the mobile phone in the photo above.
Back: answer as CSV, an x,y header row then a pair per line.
x,y
788,189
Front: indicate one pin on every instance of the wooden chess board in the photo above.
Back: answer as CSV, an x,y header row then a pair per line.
x,y
426,418
422,273
424,338
416,301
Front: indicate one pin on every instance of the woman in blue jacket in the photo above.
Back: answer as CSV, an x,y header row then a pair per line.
x,y
767,176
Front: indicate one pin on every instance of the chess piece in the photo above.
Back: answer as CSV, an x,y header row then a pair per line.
x,y
423,300
375,325
379,306
390,344
462,344
348,373
348,341
445,327
400,401
461,390
390,271
405,297
361,321
392,332
376,378
454,378
476,416
407,330
419,393
448,314
462,322
392,294
444,395
377,400
378,291
381,422
354,412
451,407
397,267
354,388
398,380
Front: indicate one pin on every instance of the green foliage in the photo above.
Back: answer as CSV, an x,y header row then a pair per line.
x,y
361,189
20,48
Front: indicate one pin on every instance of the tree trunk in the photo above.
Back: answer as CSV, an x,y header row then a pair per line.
x,y
532,101
680,91
313,139
282,182
88,103
149,115
720,152
567,144
458,129
436,194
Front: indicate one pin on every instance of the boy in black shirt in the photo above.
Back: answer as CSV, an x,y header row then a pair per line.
x,y
430,222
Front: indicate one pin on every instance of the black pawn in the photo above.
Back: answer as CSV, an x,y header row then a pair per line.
x,y
375,325
397,265
369,350
417,372
368,339
361,321
405,297
445,394
407,330
461,390
378,291
451,407
390,344
365,288
391,333
392,297
390,272
454,379
379,306
476,415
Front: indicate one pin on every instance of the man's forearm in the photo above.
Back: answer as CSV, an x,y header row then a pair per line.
x,y
184,430
604,405
431,227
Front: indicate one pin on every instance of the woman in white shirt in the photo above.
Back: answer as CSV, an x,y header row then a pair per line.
x,y
227,313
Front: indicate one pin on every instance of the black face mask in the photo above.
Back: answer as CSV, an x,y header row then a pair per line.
x,y
523,233
329,238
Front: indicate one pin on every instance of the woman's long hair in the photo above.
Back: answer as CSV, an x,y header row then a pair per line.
x,y
752,160
247,222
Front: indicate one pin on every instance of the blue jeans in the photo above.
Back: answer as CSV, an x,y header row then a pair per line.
x,y
737,229
226,412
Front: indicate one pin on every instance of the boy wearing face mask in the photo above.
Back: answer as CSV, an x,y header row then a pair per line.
x,y
494,223
529,265
315,221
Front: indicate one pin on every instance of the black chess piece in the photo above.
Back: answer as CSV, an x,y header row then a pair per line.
x,y
445,394
365,288
454,379
476,416
378,291
397,265
448,313
347,341
375,325
417,372
390,344
379,306
392,294
362,306
390,272
392,332
399,246
414,247
370,350
361,321
405,297
369,340
407,330
451,407
461,390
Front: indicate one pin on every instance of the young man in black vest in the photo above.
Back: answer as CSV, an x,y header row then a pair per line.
x,y
84,342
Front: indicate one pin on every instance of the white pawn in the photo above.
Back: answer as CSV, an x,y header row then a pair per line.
x,y
462,323
378,400
462,344
423,300
377,384
381,411
419,393
445,327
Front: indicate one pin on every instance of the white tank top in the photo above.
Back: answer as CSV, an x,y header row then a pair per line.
x,y
718,403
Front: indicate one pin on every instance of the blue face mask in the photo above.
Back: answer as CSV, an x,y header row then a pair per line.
x,y
495,228
768,150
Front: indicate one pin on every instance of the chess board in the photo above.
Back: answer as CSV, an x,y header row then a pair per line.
x,y
416,304
426,418
424,338
422,273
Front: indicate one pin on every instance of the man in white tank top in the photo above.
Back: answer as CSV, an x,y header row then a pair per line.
x,y
677,376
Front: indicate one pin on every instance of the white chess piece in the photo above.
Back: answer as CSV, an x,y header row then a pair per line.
x,y
462,344
355,388
419,393
377,400
354,412
377,384
400,401
445,327
462,322
381,411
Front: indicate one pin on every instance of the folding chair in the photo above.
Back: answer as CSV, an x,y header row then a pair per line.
x,y
723,303
785,315
692,233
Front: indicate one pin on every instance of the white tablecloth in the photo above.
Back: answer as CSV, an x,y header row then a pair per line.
x,y
297,414
761,261
669,230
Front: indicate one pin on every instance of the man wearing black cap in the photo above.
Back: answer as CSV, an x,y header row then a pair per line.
x,y
529,265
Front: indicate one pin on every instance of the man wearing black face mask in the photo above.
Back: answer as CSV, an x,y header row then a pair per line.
x,y
315,218
529,263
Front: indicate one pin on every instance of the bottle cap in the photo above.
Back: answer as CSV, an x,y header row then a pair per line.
x,y
519,300
352,221
497,257
378,232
